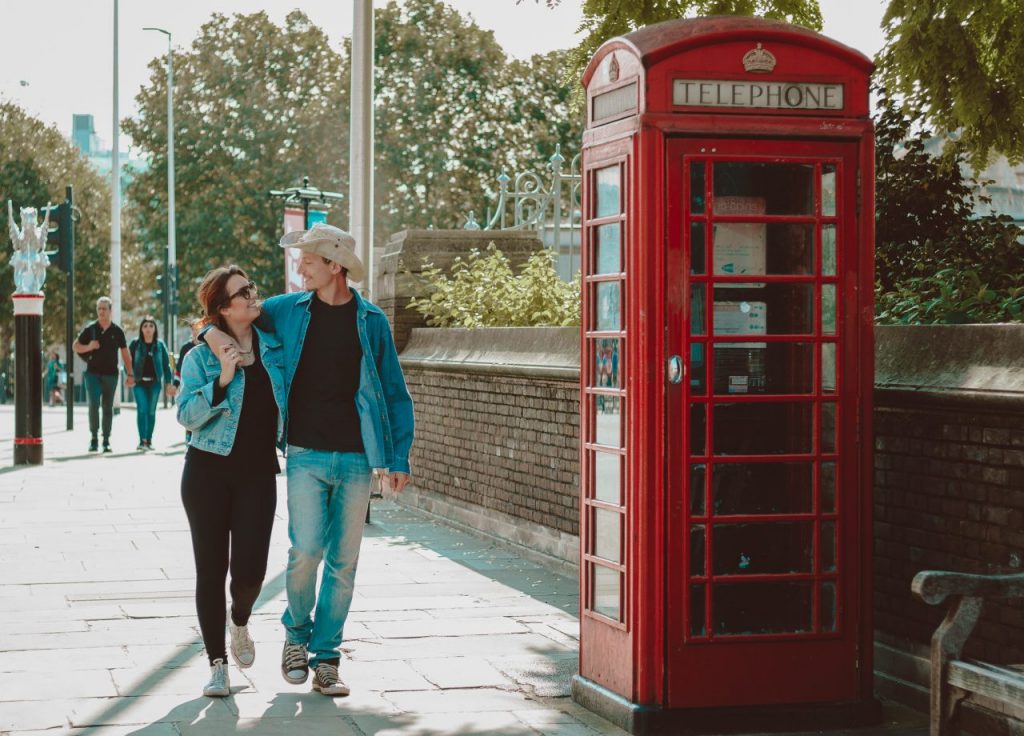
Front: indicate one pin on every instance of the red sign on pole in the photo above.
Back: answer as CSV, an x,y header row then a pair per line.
x,y
294,219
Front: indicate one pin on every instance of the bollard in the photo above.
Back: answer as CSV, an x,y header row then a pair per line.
x,y
28,387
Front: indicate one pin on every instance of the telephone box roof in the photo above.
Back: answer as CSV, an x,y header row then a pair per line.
x,y
655,42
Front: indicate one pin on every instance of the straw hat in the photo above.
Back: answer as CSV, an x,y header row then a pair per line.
x,y
330,242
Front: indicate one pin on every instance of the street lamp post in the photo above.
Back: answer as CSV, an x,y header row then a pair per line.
x,y
171,278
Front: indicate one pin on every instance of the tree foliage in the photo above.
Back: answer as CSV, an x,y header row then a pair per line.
x,y
936,261
36,164
957,63
604,19
482,290
257,107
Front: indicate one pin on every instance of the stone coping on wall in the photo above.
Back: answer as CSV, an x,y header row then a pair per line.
x,y
955,365
541,352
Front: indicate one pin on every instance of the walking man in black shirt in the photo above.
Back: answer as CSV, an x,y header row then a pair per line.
x,y
98,345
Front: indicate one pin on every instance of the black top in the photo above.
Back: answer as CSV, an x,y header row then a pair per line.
x,y
322,406
254,449
147,372
103,360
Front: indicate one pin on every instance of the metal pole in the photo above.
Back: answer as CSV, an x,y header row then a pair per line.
x,y
172,252
69,326
361,138
28,386
115,190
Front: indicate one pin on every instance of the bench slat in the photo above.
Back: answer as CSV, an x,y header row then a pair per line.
x,y
991,681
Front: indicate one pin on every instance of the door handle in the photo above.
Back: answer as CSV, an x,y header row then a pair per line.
x,y
676,369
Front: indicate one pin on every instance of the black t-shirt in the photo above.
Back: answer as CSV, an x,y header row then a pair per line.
x,y
104,359
322,406
255,439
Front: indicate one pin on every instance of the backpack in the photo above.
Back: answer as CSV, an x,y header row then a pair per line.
x,y
87,357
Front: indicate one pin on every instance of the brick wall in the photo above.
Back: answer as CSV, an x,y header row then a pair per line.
x,y
509,444
949,495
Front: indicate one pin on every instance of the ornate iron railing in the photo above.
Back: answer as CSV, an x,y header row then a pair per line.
x,y
553,211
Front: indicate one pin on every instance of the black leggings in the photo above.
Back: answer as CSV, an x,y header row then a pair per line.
x,y
227,511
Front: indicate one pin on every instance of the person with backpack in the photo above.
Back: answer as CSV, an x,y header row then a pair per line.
x,y
98,345
151,366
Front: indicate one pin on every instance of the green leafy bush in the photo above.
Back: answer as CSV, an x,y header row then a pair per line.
x,y
483,291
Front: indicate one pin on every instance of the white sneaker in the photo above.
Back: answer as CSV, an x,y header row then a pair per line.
x,y
327,682
218,686
243,649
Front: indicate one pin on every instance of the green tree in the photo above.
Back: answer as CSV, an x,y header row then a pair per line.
x,y
257,107
936,261
36,163
957,64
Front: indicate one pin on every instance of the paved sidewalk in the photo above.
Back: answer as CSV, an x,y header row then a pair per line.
x,y
448,634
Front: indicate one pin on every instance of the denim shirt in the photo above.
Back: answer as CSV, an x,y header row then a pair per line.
x,y
382,401
161,363
213,427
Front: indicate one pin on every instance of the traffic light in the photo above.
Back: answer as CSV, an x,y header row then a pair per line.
x,y
62,234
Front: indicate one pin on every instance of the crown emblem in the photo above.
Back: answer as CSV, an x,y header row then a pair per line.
x,y
613,69
759,60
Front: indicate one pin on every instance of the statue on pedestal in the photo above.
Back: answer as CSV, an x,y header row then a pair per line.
x,y
29,259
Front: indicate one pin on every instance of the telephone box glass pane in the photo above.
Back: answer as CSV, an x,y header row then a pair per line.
x,y
606,592
698,609
764,368
763,189
697,551
762,608
763,548
828,488
828,606
756,248
608,478
828,546
828,427
607,534
697,188
608,190
697,248
698,324
698,429
607,362
609,249
762,429
828,250
608,418
828,190
828,367
697,490
773,309
828,309
762,488
607,313
698,369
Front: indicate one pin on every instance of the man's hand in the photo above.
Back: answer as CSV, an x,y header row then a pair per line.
x,y
398,481
171,390
217,339
129,381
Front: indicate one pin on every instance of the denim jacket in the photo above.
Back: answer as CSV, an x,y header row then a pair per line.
x,y
161,363
383,401
213,427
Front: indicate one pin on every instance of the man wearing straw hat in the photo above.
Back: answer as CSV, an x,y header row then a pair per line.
x,y
349,416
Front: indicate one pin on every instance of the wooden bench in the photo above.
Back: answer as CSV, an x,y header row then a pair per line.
x,y
953,679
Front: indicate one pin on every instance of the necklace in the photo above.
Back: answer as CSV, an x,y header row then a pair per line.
x,y
244,352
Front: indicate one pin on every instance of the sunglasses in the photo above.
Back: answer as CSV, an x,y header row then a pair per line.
x,y
246,292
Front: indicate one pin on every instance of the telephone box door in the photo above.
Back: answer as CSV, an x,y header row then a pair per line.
x,y
763,535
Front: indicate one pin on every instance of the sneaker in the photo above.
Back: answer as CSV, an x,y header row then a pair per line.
x,y
148,444
295,663
93,445
327,682
243,649
106,446
218,686
141,447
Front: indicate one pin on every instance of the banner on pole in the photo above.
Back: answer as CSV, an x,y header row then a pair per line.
x,y
293,220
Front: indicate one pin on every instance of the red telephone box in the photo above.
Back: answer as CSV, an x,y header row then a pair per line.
x,y
727,371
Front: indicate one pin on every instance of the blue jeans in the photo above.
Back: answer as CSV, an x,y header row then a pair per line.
x,y
328,493
146,397
100,389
